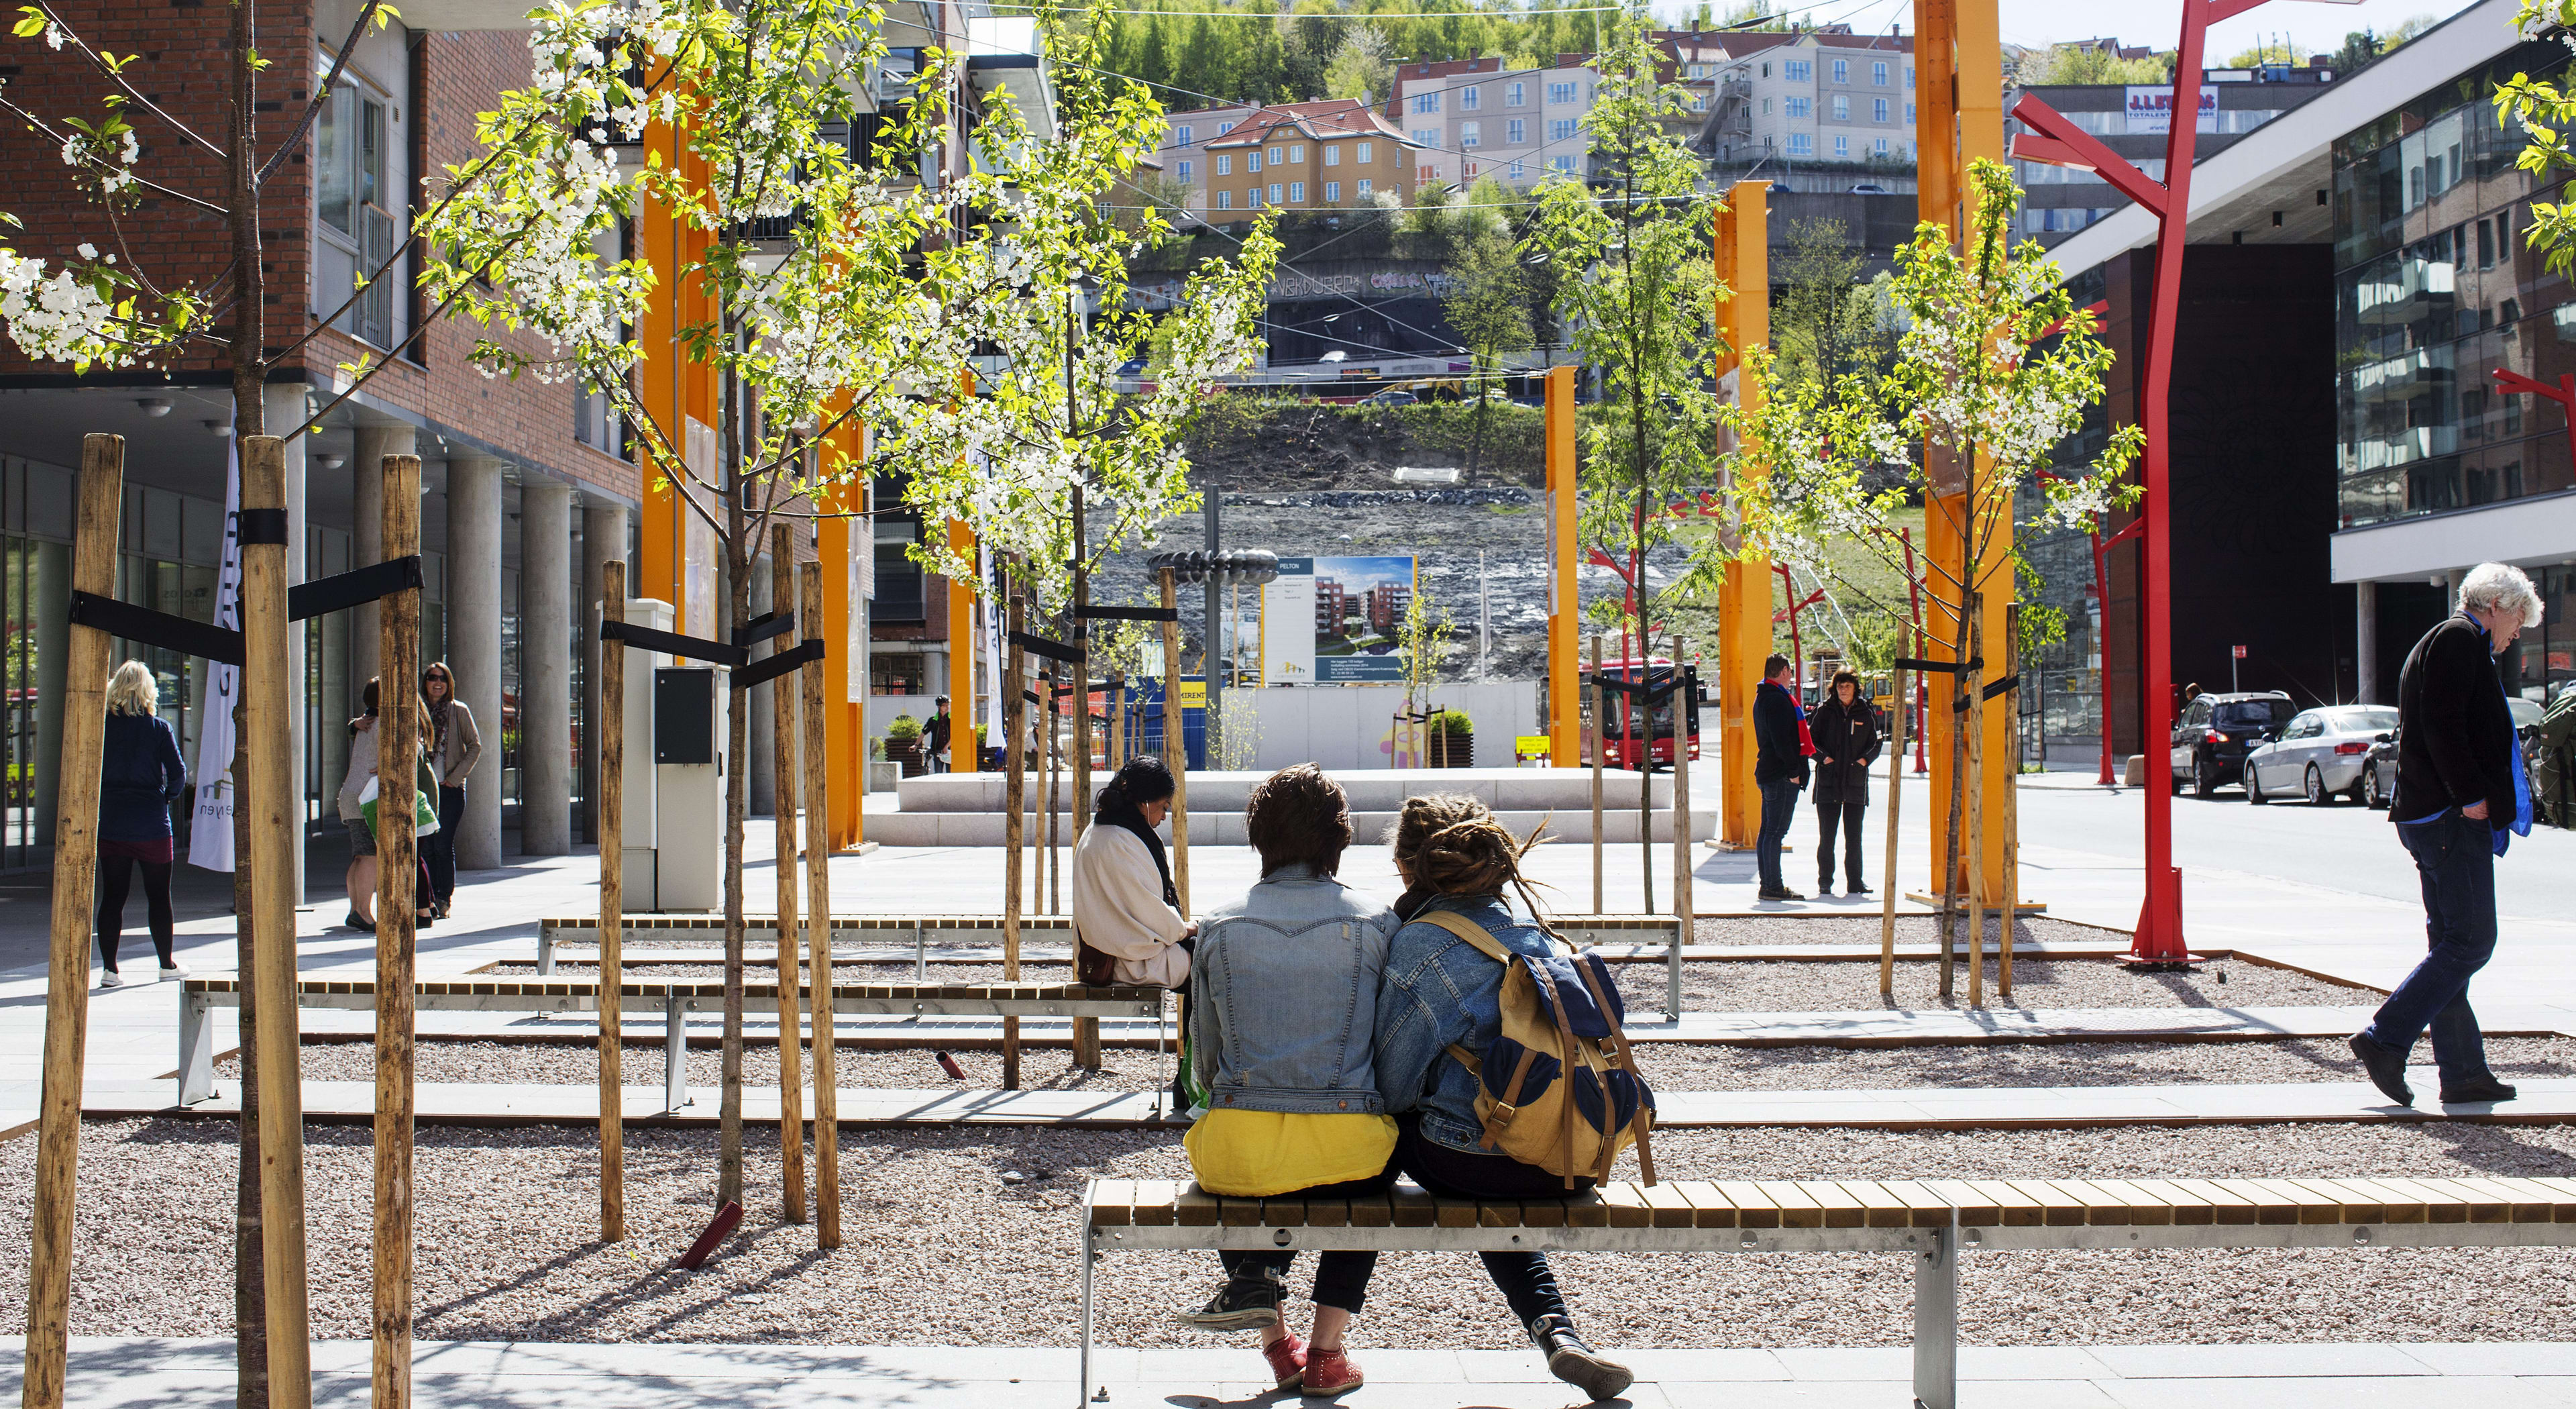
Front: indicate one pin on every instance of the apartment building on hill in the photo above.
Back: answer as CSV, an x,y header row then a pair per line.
x,y
1333,154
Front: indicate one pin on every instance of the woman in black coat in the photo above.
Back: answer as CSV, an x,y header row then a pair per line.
x,y
1845,729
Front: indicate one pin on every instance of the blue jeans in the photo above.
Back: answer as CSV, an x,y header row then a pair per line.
x,y
2455,861
1779,809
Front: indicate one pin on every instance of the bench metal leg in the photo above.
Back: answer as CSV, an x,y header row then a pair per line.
x,y
545,951
1162,1056
1082,1375
1936,1321
675,1054
196,1048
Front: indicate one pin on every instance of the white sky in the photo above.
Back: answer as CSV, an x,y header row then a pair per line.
x,y
2312,27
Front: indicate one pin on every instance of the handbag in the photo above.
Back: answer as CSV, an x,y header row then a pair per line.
x,y
424,813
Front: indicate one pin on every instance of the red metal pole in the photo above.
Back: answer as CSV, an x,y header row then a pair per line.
x,y
1797,652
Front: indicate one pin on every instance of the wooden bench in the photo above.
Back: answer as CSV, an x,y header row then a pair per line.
x,y
1929,1221
198,997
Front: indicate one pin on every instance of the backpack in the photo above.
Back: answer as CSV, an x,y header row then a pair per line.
x,y
2554,761
1560,1015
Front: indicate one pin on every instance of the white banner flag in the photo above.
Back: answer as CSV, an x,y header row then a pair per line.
x,y
210,838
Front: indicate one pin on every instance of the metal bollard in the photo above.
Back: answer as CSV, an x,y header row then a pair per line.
x,y
1936,1319
675,1054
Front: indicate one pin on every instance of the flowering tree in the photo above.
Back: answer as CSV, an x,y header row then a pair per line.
x,y
2546,112
1994,368
1635,284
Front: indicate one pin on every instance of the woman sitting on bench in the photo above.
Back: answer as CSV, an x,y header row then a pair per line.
x,y
1442,996
1127,925
1281,996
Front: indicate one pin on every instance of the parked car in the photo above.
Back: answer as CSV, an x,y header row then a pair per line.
x,y
2215,733
1392,396
2379,766
1867,189
2322,755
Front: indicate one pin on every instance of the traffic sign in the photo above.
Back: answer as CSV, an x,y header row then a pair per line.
x,y
2240,652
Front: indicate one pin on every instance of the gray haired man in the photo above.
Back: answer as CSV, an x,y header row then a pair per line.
x,y
2461,798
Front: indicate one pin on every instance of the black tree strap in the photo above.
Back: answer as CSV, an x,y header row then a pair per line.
x,y
1039,645
1651,694
645,638
1127,613
169,633
2005,685
778,664
261,526
1940,667
323,596
764,626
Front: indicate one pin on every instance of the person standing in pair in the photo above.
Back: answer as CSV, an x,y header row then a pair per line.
x,y
1845,730
1283,996
454,747
1779,768
140,775
2461,798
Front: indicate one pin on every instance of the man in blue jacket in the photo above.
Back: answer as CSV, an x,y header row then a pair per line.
x,y
2461,797
1779,768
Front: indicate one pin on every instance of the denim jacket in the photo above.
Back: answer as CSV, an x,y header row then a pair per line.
x,y
1283,996
1438,990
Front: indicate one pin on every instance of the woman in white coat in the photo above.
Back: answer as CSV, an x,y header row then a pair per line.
x,y
1127,922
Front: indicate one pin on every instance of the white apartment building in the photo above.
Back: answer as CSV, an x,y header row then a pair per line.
x,y
1472,118
1814,97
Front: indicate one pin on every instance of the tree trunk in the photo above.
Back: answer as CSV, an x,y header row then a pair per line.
x,y
737,787
250,1297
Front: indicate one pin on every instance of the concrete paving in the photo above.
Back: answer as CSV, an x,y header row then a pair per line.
x,y
198,1374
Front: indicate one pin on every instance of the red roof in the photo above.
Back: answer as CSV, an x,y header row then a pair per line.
x,y
1329,117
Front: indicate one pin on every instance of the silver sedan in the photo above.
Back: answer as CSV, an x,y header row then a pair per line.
x,y
2319,755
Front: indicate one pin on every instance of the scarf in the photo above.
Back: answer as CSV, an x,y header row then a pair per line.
x,y
1806,738
438,721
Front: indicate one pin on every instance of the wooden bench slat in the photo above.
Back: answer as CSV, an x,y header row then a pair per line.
x,y
1491,1213
2146,1209
1460,1213
1328,1213
1709,1208
2267,1204
1545,1213
2440,1205
1668,1208
1977,1208
1923,1207
1239,1213
1626,1204
2524,1202
2017,1208
2187,1208
2102,1209
1372,1212
2481,1205
1753,1207
2358,1205
1798,1208
2226,1206
1411,1207
1154,1198
2550,1201
1587,1212
2565,1189
1113,1203
1287,1212
1195,1207
1838,1205
2058,1209
2396,1205
2312,1207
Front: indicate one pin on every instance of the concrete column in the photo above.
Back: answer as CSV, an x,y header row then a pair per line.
x,y
2451,593
2365,642
474,643
603,541
367,535
545,668
764,724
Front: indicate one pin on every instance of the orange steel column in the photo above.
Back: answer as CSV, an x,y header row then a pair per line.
x,y
674,390
838,543
1564,608
961,651
1959,119
1744,594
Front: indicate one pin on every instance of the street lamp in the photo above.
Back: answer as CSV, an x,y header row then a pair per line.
x,y
2052,140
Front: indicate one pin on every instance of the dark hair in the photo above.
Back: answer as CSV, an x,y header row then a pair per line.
x,y
1298,815
1140,780
368,696
440,668
1843,677
1452,844
1773,665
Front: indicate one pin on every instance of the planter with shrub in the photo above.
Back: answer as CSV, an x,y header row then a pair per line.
x,y
1452,741
903,745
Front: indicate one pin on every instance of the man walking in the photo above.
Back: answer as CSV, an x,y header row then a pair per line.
x,y
1779,768
2460,799
934,738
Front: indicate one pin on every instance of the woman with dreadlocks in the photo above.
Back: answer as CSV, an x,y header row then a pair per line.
x,y
1440,996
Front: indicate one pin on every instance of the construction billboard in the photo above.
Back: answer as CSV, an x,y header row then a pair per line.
x,y
1335,621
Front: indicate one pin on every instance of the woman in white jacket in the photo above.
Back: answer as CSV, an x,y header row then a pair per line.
x,y
1127,920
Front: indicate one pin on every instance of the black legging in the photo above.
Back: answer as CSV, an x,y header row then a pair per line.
x,y
114,874
438,849
1522,1277
1341,1278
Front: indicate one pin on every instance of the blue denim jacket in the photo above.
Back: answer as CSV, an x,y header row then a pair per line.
x,y
1439,990
1283,996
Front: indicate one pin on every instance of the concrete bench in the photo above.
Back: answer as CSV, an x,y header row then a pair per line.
x,y
1931,1222
199,997
920,930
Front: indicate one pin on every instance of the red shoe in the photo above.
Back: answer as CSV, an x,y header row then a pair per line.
x,y
1287,1357
1331,1372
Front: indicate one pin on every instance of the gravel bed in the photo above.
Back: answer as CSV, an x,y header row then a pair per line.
x,y
1671,1066
1788,986
943,1250
1858,925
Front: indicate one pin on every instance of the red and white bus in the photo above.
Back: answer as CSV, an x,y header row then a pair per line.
x,y
1636,732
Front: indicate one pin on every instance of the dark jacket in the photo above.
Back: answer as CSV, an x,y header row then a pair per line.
x,y
935,732
1850,738
140,775
1777,757
2455,740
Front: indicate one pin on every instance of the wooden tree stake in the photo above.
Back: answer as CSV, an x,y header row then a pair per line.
x,y
782,711
1013,780
2012,802
397,856
818,926
1895,811
1972,779
1176,746
610,730
84,706
276,826
1682,920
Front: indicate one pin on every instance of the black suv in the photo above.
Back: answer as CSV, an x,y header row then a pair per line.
x,y
2215,733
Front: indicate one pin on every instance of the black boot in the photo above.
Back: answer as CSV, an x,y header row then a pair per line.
x,y
1579,1365
2386,1065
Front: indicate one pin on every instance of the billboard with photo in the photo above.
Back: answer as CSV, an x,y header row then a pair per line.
x,y
1335,621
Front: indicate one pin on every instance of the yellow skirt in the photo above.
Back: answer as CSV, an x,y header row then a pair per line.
x,y
1256,1154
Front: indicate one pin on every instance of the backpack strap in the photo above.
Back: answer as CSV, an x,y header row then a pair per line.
x,y
1476,935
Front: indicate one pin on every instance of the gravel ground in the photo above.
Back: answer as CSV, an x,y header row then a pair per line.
x,y
1671,1066
1788,986
1830,922
941,1250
